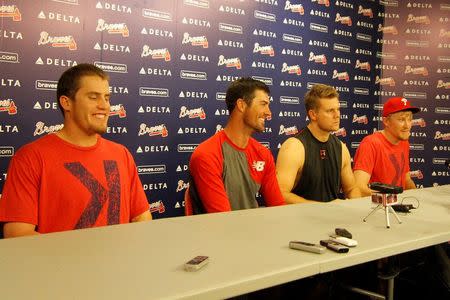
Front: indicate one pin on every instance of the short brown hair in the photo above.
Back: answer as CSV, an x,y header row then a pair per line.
x,y
319,91
243,88
69,82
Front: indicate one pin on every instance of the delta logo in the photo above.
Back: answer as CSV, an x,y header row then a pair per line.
x,y
442,84
444,33
118,110
366,12
295,69
195,40
343,20
153,130
234,62
113,7
118,28
162,53
288,130
320,58
295,8
362,65
419,5
416,174
360,119
264,50
8,106
442,136
416,71
341,75
387,29
419,122
157,206
66,41
322,2
340,132
385,81
192,113
418,20
10,11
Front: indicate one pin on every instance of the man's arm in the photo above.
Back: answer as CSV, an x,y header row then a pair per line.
x,y
139,207
351,190
17,229
145,216
206,172
290,160
270,188
363,165
19,201
409,183
362,181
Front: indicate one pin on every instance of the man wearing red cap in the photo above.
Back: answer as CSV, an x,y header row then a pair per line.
x,y
384,155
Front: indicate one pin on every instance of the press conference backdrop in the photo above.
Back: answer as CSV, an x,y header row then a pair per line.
x,y
170,63
416,65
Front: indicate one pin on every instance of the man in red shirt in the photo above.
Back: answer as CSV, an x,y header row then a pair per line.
x,y
231,167
384,155
74,178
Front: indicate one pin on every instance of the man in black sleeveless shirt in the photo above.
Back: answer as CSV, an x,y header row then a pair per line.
x,y
314,165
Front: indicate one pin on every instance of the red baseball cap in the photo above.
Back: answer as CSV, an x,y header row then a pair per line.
x,y
397,104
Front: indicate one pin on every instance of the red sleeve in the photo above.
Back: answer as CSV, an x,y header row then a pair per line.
x,y
365,157
269,186
19,201
206,171
138,200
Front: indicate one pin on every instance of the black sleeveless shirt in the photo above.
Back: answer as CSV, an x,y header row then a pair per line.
x,y
321,175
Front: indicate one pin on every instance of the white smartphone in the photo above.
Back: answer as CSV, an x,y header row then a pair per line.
x,y
306,246
343,240
196,263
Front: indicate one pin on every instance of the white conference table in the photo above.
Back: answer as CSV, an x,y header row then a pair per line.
x,y
248,251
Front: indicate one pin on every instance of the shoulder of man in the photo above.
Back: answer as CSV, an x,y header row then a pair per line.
x,y
112,144
42,144
373,138
208,148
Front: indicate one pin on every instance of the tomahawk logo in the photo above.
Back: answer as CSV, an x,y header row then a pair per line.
x,y
295,8
100,195
162,53
10,11
119,28
57,41
195,40
118,110
8,106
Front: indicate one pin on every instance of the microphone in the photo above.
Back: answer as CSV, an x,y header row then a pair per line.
x,y
384,188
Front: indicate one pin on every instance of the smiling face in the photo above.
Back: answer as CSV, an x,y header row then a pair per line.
x,y
88,112
257,112
327,115
397,126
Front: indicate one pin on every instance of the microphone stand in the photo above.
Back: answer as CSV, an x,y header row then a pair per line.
x,y
384,201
